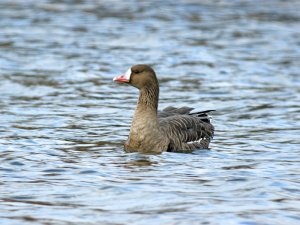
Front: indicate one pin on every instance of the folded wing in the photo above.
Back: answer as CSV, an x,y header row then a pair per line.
x,y
185,130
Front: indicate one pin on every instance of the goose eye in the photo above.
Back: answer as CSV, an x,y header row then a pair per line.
x,y
136,71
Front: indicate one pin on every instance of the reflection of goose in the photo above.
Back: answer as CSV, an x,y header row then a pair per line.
x,y
173,129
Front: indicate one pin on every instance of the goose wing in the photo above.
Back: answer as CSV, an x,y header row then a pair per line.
x,y
186,131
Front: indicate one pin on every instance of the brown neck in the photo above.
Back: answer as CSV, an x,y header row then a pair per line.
x,y
145,117
148,100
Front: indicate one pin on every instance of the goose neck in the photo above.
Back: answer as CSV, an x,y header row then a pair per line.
x,y
148,99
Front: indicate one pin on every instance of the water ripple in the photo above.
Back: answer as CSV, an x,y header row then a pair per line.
x,y
63,122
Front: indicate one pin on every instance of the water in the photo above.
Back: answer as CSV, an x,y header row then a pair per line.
x,y
63,121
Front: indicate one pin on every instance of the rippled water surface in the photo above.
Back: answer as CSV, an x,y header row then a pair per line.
x,y
63,121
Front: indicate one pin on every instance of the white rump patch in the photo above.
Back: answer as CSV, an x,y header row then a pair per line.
x,y
197,141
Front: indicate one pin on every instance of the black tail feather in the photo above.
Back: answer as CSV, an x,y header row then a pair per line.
x,y
203,115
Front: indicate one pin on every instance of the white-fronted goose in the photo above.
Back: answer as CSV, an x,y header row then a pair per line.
x,y
173,129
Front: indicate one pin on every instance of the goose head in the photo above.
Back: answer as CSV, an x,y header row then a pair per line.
x,y
138,76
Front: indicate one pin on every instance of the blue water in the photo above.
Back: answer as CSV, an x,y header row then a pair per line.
x,y
63,121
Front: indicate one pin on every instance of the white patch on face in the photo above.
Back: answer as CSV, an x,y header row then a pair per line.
x,y
128,74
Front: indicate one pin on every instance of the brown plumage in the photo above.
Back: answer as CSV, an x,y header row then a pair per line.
x,y
173,129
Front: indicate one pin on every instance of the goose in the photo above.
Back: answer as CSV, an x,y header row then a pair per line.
x,y
172,129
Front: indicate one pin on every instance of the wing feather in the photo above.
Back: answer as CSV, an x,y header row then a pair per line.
x,y
186,131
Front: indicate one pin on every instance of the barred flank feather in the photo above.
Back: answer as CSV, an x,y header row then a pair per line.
x,y
186,131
